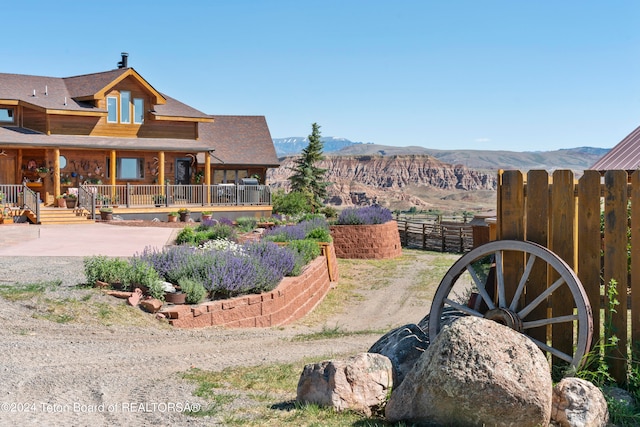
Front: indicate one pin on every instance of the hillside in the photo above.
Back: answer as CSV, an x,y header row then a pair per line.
x,y
425,178
400,182
577,159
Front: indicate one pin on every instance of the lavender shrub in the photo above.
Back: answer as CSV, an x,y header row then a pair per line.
x,y
273,262
374,214
299,231
229,275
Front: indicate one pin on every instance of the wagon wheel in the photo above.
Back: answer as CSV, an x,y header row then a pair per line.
x,y
480,272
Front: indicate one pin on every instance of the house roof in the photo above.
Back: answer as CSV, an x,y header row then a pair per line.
x,y
22,138
51,93
240,140
624,156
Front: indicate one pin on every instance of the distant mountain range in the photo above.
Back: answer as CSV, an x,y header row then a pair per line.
x,y
579,159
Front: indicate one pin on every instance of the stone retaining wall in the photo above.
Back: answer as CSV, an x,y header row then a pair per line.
x,y
379,241
292,299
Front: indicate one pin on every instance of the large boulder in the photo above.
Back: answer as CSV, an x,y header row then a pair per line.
x,y
360,383
403,346
476,372
578,403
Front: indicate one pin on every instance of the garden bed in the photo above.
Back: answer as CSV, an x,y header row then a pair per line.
x,y
293,298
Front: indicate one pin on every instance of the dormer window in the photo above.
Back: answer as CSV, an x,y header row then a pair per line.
x,y
112,109
6,115
125,107
120,110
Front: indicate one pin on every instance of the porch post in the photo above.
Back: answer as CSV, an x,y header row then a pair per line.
x,y
207,175
56,172
112,167
112,174
161,168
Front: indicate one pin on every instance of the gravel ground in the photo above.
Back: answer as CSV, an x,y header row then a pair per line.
x,y
88,373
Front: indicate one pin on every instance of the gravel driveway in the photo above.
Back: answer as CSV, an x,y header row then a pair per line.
x,y
88,373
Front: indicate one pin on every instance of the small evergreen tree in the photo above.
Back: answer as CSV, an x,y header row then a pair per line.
x,y
307,178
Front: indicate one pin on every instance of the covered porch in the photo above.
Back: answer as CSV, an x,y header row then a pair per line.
x,y
21,203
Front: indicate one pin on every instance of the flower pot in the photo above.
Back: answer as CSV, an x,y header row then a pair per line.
x,y
175,297
71,203
206,217
106,216
172,218
61,203
42,174
184,217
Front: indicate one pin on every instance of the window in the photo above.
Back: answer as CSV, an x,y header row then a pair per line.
x,y
138,110
125,107
112,109
6,115
127,168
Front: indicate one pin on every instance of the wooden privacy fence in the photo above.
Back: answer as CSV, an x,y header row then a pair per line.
x,y
565,215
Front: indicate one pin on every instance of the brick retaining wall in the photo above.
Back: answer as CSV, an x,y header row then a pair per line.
x,y
379,241
292,299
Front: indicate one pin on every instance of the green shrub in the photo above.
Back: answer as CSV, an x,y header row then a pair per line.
x,y
246,223
104,269
305,251
144,275
186,236
293,203
193,289
320,235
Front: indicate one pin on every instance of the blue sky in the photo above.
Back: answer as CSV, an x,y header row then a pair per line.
x,y
501,75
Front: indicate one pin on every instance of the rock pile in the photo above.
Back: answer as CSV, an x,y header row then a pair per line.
x,y
476,372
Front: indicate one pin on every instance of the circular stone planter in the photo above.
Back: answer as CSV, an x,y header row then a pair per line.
x,y
378,241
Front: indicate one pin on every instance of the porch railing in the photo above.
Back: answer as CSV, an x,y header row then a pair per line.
x,y
16,197
131,195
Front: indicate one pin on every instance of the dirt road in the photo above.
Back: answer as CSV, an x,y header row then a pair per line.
x,y
86,372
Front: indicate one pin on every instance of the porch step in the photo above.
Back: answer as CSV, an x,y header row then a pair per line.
x,y
50,215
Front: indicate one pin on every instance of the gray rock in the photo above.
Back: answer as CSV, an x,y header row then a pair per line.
x,y
578,403
360,383
403,346
476,372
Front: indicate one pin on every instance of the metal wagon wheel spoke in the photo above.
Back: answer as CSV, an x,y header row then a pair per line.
x,y
501,297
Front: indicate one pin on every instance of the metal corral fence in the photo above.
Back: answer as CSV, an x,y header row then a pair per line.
x,y
593,224
436,235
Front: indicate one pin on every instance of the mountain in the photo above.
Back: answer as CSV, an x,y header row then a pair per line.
x,y
425,178
577,159
295,144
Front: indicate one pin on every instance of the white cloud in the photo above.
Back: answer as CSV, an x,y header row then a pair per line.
x,y
482,140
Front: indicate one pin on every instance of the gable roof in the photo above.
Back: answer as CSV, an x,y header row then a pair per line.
x,y
240,140
95,86
624,156
69,94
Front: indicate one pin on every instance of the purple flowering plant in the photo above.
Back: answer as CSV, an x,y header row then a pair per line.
x,y
369,215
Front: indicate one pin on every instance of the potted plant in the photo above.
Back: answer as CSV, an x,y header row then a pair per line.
x,y
206,216
106,214
184,214
71,200
61,202
159,200
42,171
172,217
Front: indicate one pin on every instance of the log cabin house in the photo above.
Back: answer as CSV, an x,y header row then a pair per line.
x,y
113,140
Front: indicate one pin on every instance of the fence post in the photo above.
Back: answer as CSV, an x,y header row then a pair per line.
x,y
424,236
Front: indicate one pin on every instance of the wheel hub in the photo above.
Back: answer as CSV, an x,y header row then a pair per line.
x,y
505,317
